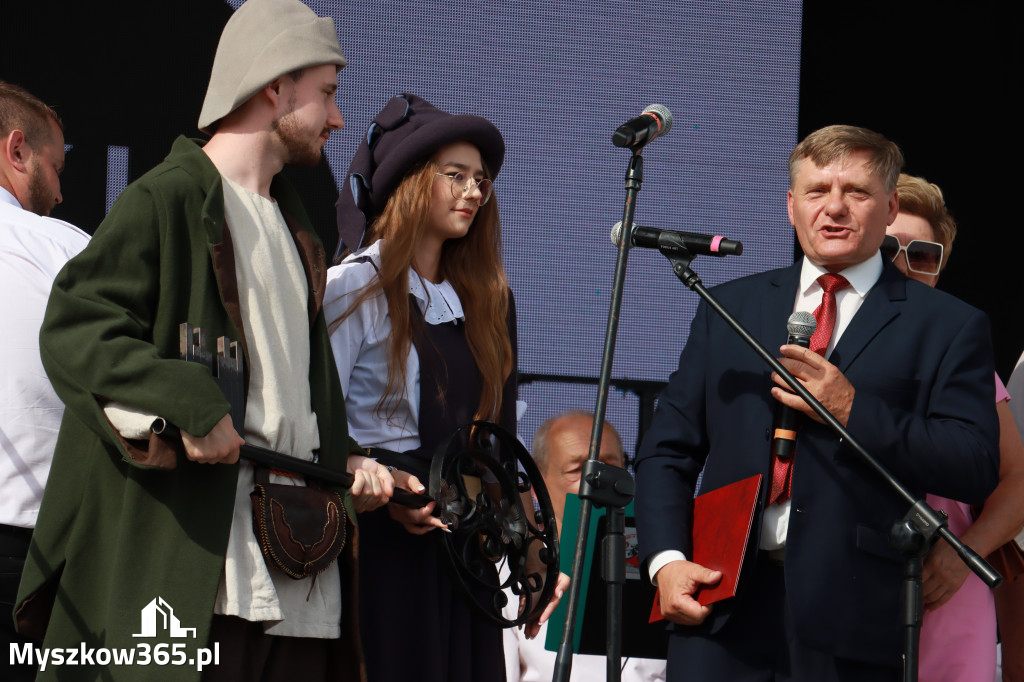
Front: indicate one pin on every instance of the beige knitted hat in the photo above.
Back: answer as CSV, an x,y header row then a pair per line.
x,y
263,40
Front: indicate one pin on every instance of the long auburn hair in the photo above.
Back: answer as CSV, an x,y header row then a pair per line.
x,y
472,265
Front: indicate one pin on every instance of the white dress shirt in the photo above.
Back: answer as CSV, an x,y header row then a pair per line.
x,y
33,249
360,345
862,277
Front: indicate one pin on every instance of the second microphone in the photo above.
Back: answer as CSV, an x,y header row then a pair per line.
x,y
801,326
673,241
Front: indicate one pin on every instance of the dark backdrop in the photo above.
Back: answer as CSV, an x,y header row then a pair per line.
x,y
943,80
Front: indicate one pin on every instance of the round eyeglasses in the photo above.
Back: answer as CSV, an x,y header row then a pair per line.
x,y
461,186
923,257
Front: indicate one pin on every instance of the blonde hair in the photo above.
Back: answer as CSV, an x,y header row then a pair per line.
x,y
836,142
472,265
924,199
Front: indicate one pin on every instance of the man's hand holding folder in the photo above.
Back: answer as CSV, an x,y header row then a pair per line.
x,y
721,532
678,583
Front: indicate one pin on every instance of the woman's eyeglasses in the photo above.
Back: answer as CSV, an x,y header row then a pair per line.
x,y
923,257
461,186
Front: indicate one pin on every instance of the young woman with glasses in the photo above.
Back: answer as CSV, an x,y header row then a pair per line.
x,y
423,329
958,635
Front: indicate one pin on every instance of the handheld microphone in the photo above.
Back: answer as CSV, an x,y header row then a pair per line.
x,y
654,122
669,241
801,326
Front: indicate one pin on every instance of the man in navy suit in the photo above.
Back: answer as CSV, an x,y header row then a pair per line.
x,y
907,369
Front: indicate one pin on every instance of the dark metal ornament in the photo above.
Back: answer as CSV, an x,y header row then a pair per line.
x,y
479,489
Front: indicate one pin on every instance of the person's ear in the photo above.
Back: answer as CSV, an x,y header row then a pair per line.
x,y
16,151
894,207
272,90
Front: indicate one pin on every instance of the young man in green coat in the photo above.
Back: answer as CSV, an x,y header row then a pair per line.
x,y
145,548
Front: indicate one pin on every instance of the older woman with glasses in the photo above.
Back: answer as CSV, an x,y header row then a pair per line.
x,y
958,636
422,325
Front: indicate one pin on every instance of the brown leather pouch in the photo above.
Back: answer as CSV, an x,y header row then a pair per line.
x,y
300,529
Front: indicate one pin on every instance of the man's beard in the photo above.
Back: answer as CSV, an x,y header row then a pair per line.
x,y
302,151
40,196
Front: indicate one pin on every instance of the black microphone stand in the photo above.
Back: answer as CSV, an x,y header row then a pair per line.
x,y
913,535
601,484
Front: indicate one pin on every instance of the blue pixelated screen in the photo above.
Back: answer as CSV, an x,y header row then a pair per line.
x,y
557,79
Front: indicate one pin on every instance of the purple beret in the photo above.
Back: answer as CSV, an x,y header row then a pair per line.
x,y
407,130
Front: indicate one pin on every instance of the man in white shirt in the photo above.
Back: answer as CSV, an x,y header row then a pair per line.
x,y
33,249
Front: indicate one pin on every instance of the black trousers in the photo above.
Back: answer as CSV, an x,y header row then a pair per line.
x,y
13,550
748,651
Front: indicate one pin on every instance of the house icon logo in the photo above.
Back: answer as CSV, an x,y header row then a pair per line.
x,y
158,616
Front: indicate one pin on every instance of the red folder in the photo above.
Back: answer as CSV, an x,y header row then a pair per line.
x,y
722,520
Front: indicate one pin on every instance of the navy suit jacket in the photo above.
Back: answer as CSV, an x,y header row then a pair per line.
x,y
921,364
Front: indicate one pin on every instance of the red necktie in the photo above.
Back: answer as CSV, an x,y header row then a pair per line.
x,y
825,314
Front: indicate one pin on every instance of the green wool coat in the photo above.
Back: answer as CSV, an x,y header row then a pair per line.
x,y
123,523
